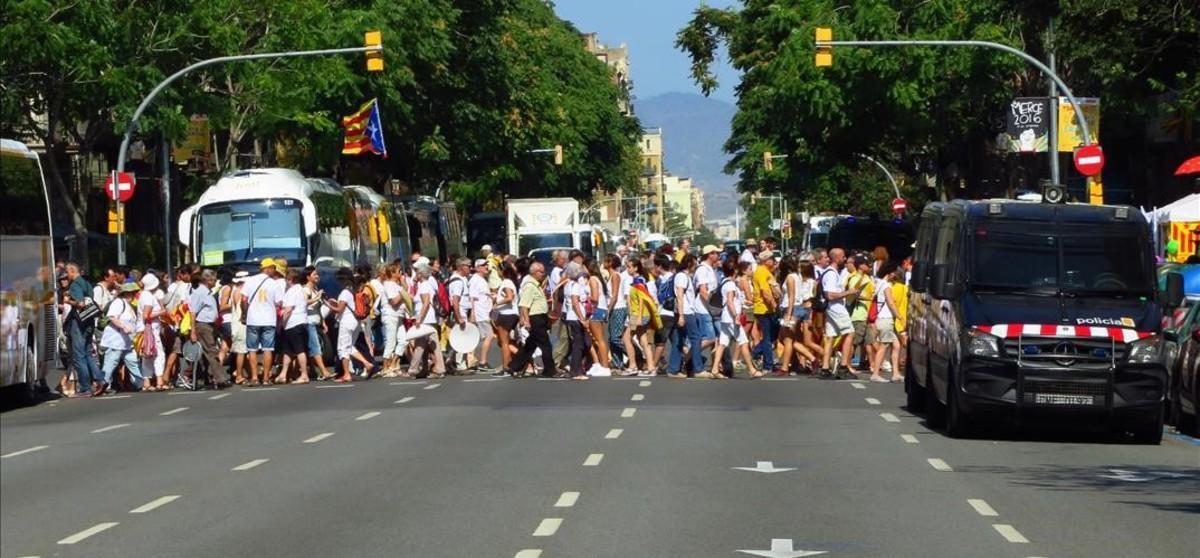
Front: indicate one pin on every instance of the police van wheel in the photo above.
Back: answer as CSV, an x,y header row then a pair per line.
x,y
935,412
958,422
1148,432
914,393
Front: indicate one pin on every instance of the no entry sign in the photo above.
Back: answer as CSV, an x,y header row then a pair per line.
x,y
1089,160
122,189
899,205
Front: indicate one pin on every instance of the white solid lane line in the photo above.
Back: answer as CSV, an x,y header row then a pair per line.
x,y
548,527
218,396
250,465
110,428
112,397
872,401
637,397
889,417
405,400
939,464
593,460
983,508
529,553
318,438
909,438
473,380
416,383
99,527
174,411
644,383
612,434
251,390
858,385
338,386
1011,535
628,412
433,386
567,500
368,416
155,504
23,452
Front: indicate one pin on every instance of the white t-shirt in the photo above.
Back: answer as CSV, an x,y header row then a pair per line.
x,y
390,290
576,291
688,304
347,320
226,317
147,300
881,288
481,297
377,285
177,293
294,298
831,282
426,287
730,291
748,256
555,277
264,295
602,294
786,300
113,338
623,295
705,275
507,286
808,289
456,287
101,295
314,309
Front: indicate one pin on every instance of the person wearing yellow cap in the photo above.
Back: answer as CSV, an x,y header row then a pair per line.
x,y
261,300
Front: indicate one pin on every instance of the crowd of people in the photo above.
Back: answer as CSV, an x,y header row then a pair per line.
x,y
673,312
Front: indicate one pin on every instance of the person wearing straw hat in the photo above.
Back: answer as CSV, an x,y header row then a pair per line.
x,y
117,340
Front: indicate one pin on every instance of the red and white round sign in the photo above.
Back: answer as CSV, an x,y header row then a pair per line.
x,y
1089,160
899,205
122,189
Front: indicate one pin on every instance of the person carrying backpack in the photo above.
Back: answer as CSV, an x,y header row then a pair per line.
x,y
349,326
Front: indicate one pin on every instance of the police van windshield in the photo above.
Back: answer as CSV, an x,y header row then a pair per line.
x,y
1102,260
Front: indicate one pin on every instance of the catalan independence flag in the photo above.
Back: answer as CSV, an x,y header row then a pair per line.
x,y
364,131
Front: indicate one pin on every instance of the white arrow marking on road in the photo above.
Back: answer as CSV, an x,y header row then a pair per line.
x,y
783,548
338,386
23,452
108,428
174,411
765,467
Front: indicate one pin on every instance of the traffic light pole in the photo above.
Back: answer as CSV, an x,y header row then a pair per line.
x,y
137,114
885,171
1083,129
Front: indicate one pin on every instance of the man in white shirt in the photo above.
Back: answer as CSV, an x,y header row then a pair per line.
x,y
837,316
480,293
177,295
424,335
558,330
460,302
748,255
261,300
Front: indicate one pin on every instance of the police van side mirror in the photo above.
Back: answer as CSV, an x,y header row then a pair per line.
x,y
1173,296
939,285
919,274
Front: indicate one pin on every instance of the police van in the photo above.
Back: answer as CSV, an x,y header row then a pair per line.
x,y
1025,310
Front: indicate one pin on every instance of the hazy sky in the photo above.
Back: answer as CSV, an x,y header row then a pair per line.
x,y
648,28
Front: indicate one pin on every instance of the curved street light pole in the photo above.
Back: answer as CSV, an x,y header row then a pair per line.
x,y
885,171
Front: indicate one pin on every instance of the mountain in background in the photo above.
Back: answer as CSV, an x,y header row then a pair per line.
x,y
694,130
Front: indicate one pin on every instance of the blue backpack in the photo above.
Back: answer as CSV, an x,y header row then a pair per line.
x,y
666,294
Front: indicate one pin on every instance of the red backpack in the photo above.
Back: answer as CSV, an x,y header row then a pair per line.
x,y
362,305
444,307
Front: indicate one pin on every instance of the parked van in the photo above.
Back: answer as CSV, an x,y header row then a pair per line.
x,y
1024,309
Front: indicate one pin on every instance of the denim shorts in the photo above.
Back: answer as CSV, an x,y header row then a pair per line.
x,y
260,338
801,313
707,329
599,314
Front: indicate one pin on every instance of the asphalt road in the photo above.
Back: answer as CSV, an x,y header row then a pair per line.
x,y
527,468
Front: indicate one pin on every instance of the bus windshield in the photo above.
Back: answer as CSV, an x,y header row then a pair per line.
x,y
24,197
1099,260
528,242
248,231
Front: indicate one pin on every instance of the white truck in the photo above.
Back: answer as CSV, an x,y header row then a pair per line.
x,y
536,223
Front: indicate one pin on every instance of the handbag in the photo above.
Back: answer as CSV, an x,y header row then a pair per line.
x,y
88,312
148,347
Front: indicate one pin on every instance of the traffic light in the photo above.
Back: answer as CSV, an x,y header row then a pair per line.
x,y
558,155
116,219
768,165
824,53
374,57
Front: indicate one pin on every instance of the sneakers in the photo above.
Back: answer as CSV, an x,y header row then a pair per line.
x,y
825,374
501,373
887,366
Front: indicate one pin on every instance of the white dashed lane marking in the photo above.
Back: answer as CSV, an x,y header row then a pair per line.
x,y
23,452
637,397
1010,534
548,527
982,508
644,383
889,417
432,386
613,434
628,412
250,465
858,385
174,411
218,396
155,504
109,428
405,400
98,528
909,438
368,416
593,460
529,553
318,438
939,464
872,401
567,500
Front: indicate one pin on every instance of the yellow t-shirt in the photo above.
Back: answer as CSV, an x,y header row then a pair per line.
x,y
900,299
762,283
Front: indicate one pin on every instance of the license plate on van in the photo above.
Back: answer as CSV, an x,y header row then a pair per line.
x,y
1060,399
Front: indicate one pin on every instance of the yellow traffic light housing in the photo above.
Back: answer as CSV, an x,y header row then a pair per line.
x,y
558,155
824,57
374,57
768,164
116,219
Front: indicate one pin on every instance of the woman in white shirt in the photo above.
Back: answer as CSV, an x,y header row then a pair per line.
x,y
807,291
294,339
348,325
315,325
618,309
885,323
117,340
730,329
391,300
793,315
507,314
574,298
154,357
424,334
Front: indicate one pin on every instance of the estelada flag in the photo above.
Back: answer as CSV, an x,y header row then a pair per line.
x,y
364,131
